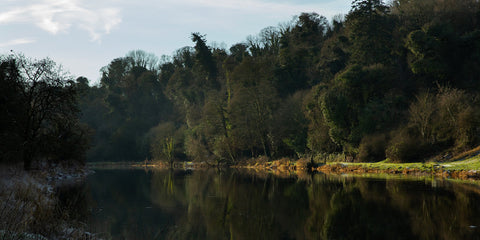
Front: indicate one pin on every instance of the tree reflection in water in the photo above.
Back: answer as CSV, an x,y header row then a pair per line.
x,y
232,205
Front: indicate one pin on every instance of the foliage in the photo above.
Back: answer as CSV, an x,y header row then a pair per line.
x,y
396,80
370,32
166,142
127,104
405,146
41,112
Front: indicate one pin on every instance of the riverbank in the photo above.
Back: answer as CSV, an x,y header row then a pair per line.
x,y
30,208
466,170
464,167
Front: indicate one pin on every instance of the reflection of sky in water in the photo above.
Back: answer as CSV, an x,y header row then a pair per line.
x,y
134,204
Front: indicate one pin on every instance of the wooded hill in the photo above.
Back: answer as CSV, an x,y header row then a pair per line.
x,y
397,80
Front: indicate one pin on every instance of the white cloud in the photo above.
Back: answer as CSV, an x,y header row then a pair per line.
x,y
18,41
56,16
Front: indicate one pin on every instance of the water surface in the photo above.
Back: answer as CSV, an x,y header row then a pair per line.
x,y
138,204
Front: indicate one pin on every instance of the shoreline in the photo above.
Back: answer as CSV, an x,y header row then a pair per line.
x,y
345,168
467,169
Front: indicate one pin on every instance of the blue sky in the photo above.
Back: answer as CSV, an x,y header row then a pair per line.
x,y
85,35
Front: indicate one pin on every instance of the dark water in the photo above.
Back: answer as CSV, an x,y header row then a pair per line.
x,y
135,204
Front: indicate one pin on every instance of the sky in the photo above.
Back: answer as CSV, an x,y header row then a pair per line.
x,y
85,35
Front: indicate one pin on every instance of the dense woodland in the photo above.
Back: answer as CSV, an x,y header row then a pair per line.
x,y
397,80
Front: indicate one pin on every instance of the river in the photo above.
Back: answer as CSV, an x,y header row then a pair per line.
x,y
139,204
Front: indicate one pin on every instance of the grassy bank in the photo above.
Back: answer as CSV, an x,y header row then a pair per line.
x,y
463,166
462,169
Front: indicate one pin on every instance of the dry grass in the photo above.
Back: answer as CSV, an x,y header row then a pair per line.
x,y
24,207
29,209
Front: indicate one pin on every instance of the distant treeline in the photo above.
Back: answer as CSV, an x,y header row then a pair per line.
x,y
398,81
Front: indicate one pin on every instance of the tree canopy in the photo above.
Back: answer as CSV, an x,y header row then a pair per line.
x,y
396,80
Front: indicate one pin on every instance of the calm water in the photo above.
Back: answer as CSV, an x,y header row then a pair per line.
x,y
135,204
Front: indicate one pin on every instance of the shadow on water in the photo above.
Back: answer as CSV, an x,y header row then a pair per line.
x,y
136,204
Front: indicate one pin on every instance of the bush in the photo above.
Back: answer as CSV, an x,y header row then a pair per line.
x,y
467,132
406,147
322,158
372,148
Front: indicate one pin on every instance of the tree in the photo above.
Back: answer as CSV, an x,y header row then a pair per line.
x,y
128,103
370,31
413,15
205,60
432,55
358,104
289,128
251,107
299,48
217,127
163,140
318,137
11,107
447,117
48,115
143,59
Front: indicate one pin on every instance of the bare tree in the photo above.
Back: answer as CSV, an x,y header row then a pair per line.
x,y
143,59
48,104
422,114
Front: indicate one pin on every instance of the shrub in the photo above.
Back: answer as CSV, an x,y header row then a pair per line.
x,y
321,158
467,132
406,147
372,148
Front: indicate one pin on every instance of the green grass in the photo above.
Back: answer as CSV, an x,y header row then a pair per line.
x,y
391,166
472,163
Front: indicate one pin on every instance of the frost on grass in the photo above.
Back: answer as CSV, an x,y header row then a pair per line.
x,y
24,202
29,209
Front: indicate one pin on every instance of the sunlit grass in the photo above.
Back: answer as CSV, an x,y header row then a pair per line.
x,y
472,163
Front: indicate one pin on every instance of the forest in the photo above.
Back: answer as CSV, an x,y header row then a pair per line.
x,y
397,80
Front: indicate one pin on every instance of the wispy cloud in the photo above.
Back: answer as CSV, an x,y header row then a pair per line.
x,y
56,16
15,42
